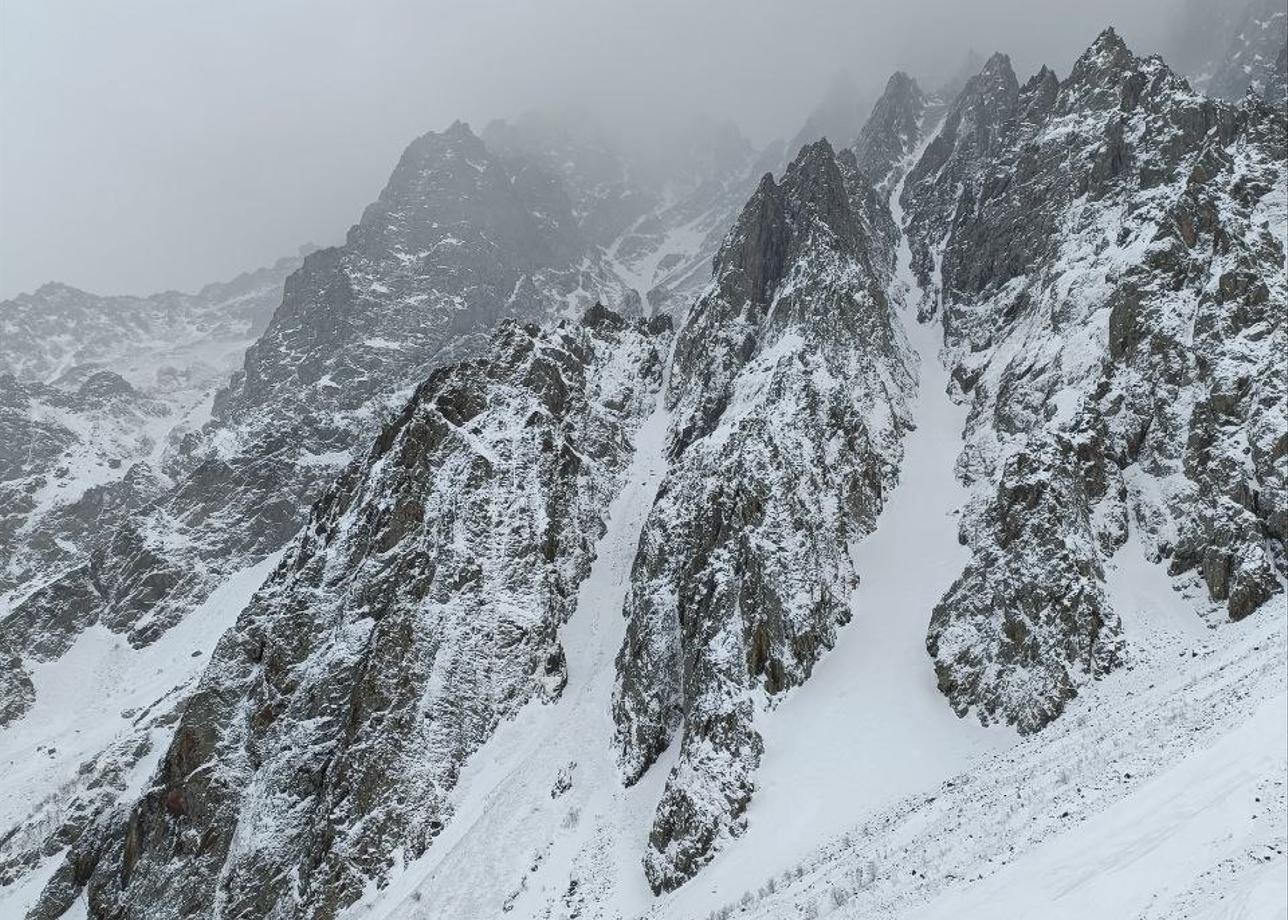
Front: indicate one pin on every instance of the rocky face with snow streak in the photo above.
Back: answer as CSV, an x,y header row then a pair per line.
x,y
455,242
419,607
658,213
889,137
1113,297
66,470
966,145
789,388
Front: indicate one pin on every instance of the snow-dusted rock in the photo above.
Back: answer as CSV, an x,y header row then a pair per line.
x,y
455,242
417,609
966,144
1113,295
893,132
789,385
77,357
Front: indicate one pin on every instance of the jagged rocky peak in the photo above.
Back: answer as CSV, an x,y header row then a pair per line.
x,y
892,132
821,208
417,609
1112,319
456,242
444,250
968,142
1037,96
450,180
789,390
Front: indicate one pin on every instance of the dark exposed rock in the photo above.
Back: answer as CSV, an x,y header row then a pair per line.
x,y
417,609
788,386
966,146
893,131
1113,296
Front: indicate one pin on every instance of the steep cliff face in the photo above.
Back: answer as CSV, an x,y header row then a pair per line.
x,y
1113,296
1104,257
899,120
789,389
419,607
455,242
966,144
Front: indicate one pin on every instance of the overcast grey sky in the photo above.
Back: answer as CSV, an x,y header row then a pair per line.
x,y
149,144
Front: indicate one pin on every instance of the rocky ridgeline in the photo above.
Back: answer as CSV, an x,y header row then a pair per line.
x,y
59,332
463,235
419,607
455,242
95,388
965,145
899,121
1105,255
1113,293
789,387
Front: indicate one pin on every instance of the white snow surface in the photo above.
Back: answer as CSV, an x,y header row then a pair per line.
x,y
100,693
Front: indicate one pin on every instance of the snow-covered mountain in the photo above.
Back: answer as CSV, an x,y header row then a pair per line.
x,y
928,559
98,392
1112,288
784,440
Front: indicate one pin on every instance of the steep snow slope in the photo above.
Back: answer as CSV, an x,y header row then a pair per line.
x,y
1113,293
869,727
790,385
417,612
871,798
102,717
1160,794
780,723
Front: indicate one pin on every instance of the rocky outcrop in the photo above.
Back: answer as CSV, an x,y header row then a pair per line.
x,y
455,242
117,378
789,388
893,131
967,144
419,607
68,467
1113,291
